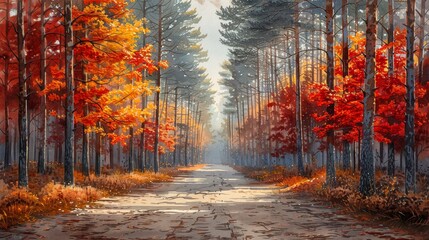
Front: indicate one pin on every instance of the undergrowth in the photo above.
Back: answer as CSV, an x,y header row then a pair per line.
x,y
388,200
46,195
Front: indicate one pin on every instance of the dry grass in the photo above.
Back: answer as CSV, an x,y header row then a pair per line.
x,y
46,194
388,201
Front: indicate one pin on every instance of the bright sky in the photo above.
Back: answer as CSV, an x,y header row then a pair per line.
x,y
217,52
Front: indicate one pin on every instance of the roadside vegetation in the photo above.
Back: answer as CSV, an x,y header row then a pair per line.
x,y
47,195
388,201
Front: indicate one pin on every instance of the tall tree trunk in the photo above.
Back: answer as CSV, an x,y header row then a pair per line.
x,y
22,113
330,162
142,158
299,142
111,156
7,149
158,85
175,125
421,36
85,144
390,60
41,164
98,145
410,164
356,17
258,86
345,60
367,181
85,135
391,159
69,131
188,121
131,142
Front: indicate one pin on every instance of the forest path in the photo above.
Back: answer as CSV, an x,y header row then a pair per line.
x,y
214,202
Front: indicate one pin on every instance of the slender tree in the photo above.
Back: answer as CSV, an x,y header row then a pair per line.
x,y
410,163
22,114
367,178
330,163
69,79
157,93
345,62
299,142
390,60
41,164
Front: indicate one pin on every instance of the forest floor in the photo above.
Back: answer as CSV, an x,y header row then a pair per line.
x,y
214,202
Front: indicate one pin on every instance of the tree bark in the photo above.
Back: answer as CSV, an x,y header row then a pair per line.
x,y
330,162
22,113
188,128
69,78
390,60
367,181
85,135
421,36
98,141
41,163
142,157
131,142
410,163
345,60
7,149
157,93
391,159
175,125
299,142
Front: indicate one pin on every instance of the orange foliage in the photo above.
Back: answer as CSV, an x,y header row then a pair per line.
x,y
388,201
46,196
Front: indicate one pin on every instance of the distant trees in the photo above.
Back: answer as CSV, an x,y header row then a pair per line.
x,y
269,58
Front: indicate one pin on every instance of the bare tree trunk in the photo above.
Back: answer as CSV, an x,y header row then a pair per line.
x,y
391,159
299,142
8,149
367,178
98,141
390,59
330,162
111,156
158,85
345,60
258,86
175,125
410,163
421,36
85,135
131,142
356,16
142,157
22,113
188,123
41,164
69,131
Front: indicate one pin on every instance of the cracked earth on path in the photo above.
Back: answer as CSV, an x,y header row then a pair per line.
x,y
214,202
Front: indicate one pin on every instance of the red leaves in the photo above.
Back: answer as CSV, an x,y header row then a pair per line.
x,y
141,60
348,96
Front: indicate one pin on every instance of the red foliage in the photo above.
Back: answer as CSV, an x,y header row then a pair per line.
x,y
348,96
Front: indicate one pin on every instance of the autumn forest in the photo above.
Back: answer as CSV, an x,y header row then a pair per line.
x,y
110,110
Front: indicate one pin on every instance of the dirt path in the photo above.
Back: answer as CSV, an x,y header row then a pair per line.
x,y
215,202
